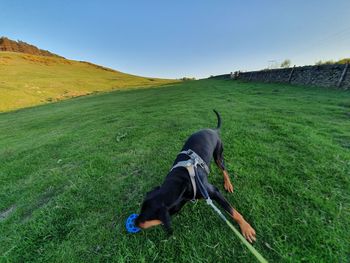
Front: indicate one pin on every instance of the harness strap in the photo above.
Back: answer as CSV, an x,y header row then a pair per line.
x,y
190,168
197,158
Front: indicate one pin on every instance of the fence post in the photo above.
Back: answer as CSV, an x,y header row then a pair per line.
x,y
291,74
343,75
267,73
310,76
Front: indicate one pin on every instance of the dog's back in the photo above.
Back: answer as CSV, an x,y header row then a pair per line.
x,y
204,143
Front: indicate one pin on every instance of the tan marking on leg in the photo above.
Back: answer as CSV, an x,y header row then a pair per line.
x,y
150,223
247,231
227,182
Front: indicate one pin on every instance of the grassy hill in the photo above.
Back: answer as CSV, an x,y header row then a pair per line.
x,y
28,80
71,173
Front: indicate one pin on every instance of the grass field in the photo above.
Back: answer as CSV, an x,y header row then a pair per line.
x,y
29,80
71,173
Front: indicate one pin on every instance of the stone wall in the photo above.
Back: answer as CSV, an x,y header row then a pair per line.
x,y
332,76
223,76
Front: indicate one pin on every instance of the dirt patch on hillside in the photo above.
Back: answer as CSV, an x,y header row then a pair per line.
x,y
4,214
43,200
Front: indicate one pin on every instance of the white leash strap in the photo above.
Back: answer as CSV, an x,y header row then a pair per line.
x,y
190,168
257,255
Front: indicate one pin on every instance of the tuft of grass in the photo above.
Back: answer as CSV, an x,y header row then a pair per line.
x,y
71,173
28,80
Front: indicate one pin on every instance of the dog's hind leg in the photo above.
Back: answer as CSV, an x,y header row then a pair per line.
x,y
219,160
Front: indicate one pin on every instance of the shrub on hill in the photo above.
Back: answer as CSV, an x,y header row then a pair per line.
x,y
328,62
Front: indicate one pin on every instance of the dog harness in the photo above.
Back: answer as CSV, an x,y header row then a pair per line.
x,y
191,166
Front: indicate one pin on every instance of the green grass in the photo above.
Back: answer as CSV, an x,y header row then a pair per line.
x,y
28,80
71,173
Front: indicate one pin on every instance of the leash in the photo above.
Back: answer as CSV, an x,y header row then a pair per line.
x,y
209,201
194,161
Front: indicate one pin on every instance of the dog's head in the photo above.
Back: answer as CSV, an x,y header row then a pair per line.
x,y
154,212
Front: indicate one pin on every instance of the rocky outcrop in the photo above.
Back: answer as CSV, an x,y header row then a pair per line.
x,y
23,47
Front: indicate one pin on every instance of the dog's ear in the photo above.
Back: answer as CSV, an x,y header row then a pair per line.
x,y
166,219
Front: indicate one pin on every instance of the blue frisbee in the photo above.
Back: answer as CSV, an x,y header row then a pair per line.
x,y
130,224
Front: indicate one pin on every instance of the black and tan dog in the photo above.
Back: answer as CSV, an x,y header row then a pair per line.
x,y
167,199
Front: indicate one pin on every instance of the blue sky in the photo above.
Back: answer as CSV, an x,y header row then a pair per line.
x,y
182,38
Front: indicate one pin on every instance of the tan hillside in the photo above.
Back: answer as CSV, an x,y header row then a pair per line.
x,y
29,80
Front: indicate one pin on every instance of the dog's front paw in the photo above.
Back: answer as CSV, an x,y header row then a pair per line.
x,y
228,186
248,232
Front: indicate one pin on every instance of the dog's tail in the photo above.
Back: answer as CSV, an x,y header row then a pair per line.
x,y
219,119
